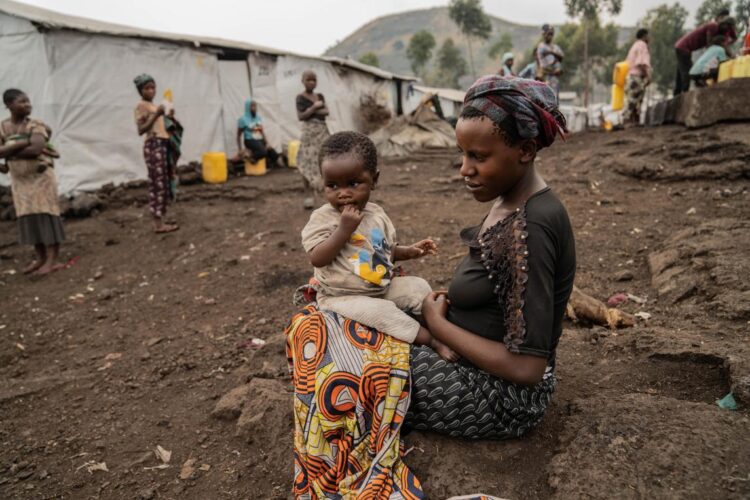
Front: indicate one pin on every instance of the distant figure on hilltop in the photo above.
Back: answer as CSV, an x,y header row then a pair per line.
x,y
707,66
698,39
639,77
507,66
549,58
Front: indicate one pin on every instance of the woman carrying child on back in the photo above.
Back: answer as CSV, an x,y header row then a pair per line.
x,y
23,143
311,111
352,244
149,119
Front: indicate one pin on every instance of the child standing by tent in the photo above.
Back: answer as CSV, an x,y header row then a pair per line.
x,y
33,184
159,150
311,111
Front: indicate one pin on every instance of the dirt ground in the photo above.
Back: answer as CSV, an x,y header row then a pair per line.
x,y
133,345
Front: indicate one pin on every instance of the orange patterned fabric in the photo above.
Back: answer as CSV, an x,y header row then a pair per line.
x,y
351,393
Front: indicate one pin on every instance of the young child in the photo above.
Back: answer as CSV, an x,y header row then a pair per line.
x,y
352,244
150,121
24,145
707,66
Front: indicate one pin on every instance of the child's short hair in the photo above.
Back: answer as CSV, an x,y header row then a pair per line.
x,y
354,143
11,95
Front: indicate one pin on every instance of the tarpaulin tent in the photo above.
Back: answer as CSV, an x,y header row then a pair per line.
x,y
79,72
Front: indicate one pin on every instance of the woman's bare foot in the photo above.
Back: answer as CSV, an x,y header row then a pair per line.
x,y
33,266
166,228
444,351
48,268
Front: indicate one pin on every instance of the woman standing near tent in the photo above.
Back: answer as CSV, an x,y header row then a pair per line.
x,y
33,184
157,151
312,112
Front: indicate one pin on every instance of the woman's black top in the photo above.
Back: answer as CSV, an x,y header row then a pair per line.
x,y
303,103
514,284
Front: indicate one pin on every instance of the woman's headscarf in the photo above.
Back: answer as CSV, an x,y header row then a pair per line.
x,y
248,121
506,56
530,104
141,81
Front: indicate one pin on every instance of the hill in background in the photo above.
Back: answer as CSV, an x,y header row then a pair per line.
x,y
388,37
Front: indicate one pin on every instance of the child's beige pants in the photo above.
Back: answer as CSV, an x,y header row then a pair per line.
x,y
386,313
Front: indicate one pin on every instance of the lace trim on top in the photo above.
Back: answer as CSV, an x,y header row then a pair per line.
x,y
504,254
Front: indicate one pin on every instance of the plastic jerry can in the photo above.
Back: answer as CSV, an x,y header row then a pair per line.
x,y
618,98
214,167
620,73
741,68
258,168
292,151
725,70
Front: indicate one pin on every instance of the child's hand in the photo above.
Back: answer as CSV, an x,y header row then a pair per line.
x,y
444,351
420,249
160,110
350,219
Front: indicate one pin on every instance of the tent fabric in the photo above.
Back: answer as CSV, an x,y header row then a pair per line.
x,y
276,81
234,84
88,99
80,82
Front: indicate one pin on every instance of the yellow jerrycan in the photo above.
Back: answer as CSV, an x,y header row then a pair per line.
x,y
620,73
214,167
292,152
618,98
257,168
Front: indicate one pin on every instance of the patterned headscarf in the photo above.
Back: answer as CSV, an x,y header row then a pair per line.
x,y
529,104
141,81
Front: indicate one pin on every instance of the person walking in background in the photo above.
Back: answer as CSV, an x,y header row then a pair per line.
x,y
311,111
707,66
507,66
549,58
33,184
698,39
150,120
639,77
250,132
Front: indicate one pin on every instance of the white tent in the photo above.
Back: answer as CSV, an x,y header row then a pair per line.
x,y
79,75
451,100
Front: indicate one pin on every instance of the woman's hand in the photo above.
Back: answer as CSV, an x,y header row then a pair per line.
x,y
435,306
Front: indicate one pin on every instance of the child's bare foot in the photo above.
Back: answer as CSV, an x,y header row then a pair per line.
x,y
444,351
36,264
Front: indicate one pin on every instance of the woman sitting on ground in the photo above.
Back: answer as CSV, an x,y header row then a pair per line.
x,y
502,314
250,133
503,311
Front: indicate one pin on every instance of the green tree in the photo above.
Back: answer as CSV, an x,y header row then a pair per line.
x,y
665,24
370,58
450,65
742,14
589,10
502,45
603,51
708,10
473,23
419,50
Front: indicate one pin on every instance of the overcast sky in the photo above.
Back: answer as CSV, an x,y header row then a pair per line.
x,y
304,26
